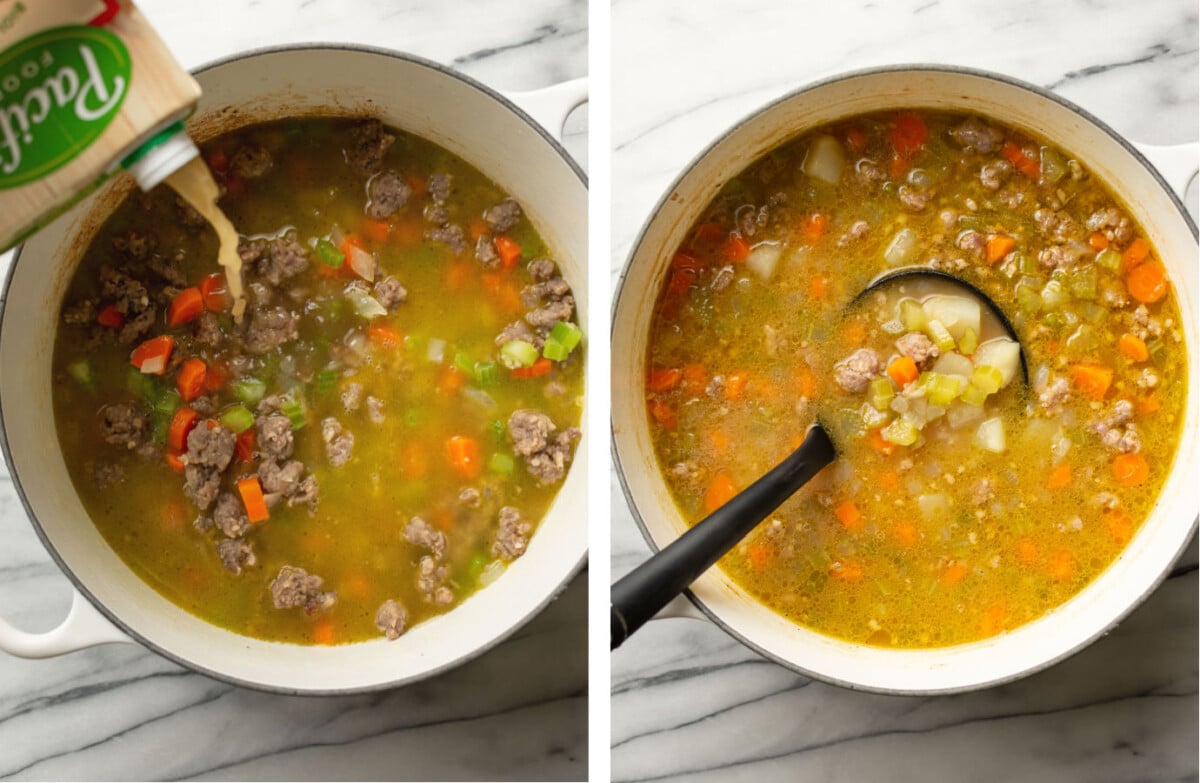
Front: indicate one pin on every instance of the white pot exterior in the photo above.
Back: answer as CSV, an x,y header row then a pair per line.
x,y
416,96
1067,629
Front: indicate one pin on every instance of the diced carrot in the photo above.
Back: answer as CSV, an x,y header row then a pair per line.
x,y
735,385
876,441
663,413
477,227
908,134
253,499
175,514
218,161
243,447
1133,348
759,554
897,166
418,184
377,230
720,491
1144,406
1137,252
175,460
412,460
508,296
188,305
1014,155
735,249
1130,470
849,515
815,226
1097,241
1119,526
695,378
818,286
542,366
509,250
463,453
450,382
1027,551
953,574
856,139
355,584
1091,379
683,260
847,571
710,233
905,533
191,379
1059,477
664,379
151,356
324,633
1061,565
680,281
384,336
998,246
1053,345
216,377
718,440
215,292
457,274
889,479
855,331
903,370
181,424
1147,282
806,382
350,243
995,618
108,316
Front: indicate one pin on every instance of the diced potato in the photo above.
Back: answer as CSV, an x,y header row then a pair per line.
x,y
960,414
954,364
1001,353
902,248
824,160
763,259
990,435
957,313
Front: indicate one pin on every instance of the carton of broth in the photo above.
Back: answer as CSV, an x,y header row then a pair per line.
x,y
84,84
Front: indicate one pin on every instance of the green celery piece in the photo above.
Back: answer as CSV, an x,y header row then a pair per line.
x,y
987,378
485,373
882,391
326,381
566,334
237,419
969,342
329,254
249,390
974,395
501,464
293,407
901,432
940,335
912,315
554,350
518,353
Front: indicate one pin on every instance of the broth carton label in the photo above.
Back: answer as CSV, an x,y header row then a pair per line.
x,y
82,84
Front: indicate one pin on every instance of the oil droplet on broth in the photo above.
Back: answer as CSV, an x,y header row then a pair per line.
x,y
195,184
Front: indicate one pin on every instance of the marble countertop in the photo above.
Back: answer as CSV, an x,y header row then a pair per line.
x,y
689,702
120,712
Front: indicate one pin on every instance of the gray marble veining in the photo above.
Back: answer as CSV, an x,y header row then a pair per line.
x,y
120,712
689,702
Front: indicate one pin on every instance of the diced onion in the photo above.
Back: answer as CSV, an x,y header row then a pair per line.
x,y
436,351
155,365
902,247
364,304
362,262
491,572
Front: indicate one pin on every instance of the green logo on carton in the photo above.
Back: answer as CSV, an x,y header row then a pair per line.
x,y
59,90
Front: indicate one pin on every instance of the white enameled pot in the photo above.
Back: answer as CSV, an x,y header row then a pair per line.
x,y
1149,196
112,604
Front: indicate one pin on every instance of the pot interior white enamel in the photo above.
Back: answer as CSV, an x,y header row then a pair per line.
x,y
418,97
1149,555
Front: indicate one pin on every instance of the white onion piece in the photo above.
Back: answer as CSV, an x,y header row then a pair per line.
x,y
362,262
436,351
491,572
154,365
902,247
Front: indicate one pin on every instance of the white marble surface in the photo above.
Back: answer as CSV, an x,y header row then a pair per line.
x,y
690,703
119,712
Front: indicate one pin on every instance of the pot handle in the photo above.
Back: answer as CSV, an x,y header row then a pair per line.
x,y
550,106
84,627
680,606
1177,163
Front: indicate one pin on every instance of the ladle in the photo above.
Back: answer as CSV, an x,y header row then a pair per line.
x,y
642,593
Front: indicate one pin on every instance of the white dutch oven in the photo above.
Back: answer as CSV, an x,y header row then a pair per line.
x,y
1150,197
114,605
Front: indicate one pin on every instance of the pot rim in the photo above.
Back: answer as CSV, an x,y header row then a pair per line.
x,y
635,248
78,585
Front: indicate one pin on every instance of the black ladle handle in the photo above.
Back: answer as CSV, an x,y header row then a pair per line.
x,y
640,595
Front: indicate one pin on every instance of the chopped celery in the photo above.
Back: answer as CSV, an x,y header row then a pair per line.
x,y
566,334
969,342
168,402
974,395
485,373
329,255
1054,295
1109,259
987,378
902,432
1029,297
496,427
881,392
1054,320
237,419
293,407
872,418
1027,264
1093,312
944,389
1156,349
81,371
518,353
554,350
1084,340
249,390
143,385
940,335
464,363
1083,282
501,463
1053,166
161,426
326,381
912,315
